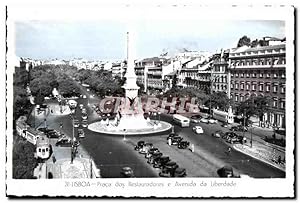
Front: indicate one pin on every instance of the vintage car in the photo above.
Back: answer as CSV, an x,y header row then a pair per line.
x,y
150,152
174,140
127,172
160,161
81,133
183,145
139,145
225,172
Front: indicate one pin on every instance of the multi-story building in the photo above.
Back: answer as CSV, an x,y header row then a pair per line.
x,y
150,72
220,73
260,71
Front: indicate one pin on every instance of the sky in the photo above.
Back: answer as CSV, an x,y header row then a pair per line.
x,y
106,39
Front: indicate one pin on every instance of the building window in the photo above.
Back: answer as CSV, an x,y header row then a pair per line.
x,y
282,104
236,98
275,89
275,102
253,87
282,89
242,98
242,75
247,86
268,88
261,87
268,75
236,86
247,75
253,75
242,86
283,75
261,75
231,85
236,75
275,75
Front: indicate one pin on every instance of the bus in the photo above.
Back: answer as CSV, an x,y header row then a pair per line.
x,y
43,148
181,120
223,116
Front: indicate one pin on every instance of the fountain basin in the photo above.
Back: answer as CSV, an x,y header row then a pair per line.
x,y
111,129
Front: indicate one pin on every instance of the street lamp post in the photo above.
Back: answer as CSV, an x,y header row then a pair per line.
x,y
124,138
244,123
72,141
251,141
159,117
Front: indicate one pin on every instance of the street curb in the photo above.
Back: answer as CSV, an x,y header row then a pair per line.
x,y
258,159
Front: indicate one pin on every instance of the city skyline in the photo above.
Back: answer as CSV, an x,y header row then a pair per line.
x,y
106,39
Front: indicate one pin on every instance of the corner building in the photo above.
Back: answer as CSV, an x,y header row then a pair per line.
x,y
260,71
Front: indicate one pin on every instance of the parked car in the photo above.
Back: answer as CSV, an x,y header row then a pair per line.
x,y
180,172
83,111
150,152
45,130
139,145
172,135
66,142
174,140
127,172
225,172
183,145
153,157
204,120
50,133
198,129
53,134
84,123
168,169
196,118
146,147
228,135
160,161
76,123
237,139
239,128
84,116
81,133
84,96
218,134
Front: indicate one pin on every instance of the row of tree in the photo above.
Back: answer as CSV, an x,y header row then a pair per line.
x,y
253,106
47,77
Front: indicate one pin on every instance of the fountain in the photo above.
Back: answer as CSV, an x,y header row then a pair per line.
x,y
130,113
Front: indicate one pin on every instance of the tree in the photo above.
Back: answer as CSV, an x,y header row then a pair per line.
x,y
219,100
244,41
23,159
255,105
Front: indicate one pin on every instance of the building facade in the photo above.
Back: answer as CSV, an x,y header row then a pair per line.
x,y
260,71
220,73
150,72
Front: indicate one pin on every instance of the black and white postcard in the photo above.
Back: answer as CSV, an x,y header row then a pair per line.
x,y
150,101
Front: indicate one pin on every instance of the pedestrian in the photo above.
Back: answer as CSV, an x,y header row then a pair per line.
x,y
53,159
229,151
279,159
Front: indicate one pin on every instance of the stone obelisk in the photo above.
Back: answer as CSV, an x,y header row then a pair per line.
x,y
130,86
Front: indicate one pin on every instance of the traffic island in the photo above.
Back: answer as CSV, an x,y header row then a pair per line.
x,y
263,153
